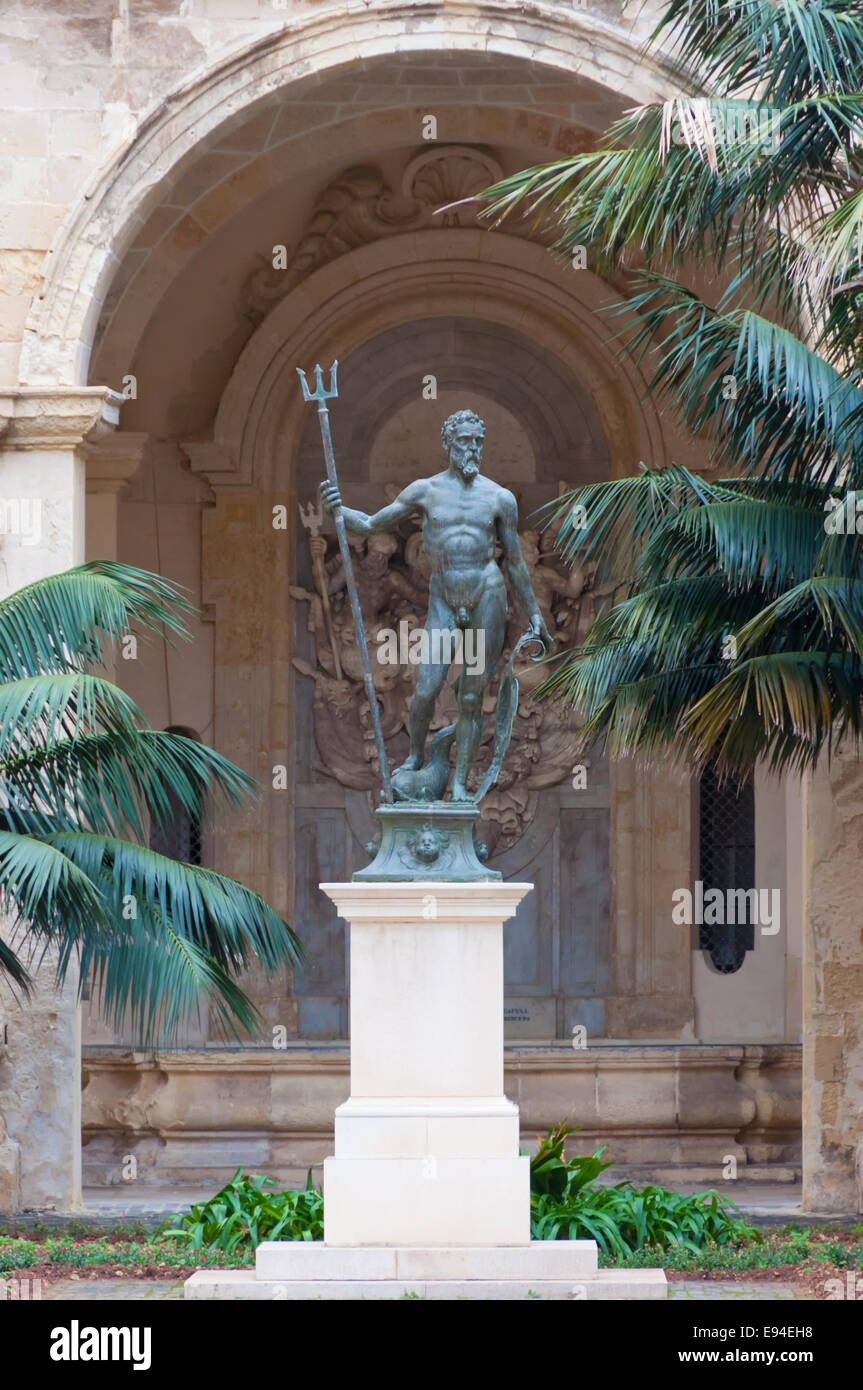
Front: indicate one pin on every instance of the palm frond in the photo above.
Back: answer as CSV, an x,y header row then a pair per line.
x,y
80,771
61,623
119,782
782,708
143,925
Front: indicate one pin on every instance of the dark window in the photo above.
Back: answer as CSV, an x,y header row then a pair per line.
x,y
726,860
181,839
180,836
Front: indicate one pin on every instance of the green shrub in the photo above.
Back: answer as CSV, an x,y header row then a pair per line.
x,y
66,1251
17,1253
834,1252
243,1214
566,1203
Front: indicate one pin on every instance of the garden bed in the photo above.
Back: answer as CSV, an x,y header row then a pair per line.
x,y
806,1257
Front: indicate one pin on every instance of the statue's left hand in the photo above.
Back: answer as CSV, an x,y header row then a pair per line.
x,y
539,630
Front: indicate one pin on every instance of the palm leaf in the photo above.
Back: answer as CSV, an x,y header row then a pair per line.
x,y
59,623
80,771
119,782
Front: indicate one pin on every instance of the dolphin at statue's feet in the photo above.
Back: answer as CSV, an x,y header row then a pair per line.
x,y
427,783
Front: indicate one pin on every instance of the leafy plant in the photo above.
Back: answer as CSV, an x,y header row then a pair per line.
x,y
17,1253
552,1175
739,635
244,1213
568,1204
83,779
788,1245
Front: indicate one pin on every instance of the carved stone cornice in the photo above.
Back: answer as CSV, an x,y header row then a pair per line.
x,y
213,462
52,417
112,461
359,206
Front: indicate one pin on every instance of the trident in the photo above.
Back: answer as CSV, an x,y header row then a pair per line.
x,y
321,394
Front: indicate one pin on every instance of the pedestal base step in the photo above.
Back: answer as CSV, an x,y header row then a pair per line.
x,y
541,1269
540,1259
607,1284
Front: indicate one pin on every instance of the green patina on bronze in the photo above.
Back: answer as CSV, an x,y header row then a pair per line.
x,y
465,517
435,840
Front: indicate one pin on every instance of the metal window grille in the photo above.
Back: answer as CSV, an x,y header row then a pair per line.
x,y
726,860
180,838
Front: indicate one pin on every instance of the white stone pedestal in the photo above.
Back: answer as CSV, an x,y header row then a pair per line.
x,y
426,1193
427,1145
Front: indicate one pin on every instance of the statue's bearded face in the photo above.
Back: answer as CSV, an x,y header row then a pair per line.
x,y
465,450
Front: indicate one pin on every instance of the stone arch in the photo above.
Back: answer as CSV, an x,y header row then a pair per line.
x,y
543,399
208,217
89,248
500,279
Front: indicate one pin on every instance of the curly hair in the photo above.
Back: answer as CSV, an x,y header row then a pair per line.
x,y
461,417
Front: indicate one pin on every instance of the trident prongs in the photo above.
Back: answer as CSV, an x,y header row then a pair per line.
x,y
321,393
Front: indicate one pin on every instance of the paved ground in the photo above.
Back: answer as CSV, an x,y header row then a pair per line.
x,y
712,1289
765,1200
781,1201
126,1290
89,1290
765,1203
774,1199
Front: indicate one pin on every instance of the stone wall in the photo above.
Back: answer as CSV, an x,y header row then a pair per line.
x,y
43,437
833,988
664,1111
40,1101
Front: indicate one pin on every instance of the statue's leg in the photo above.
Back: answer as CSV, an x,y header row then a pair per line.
x,y
488,626
431,675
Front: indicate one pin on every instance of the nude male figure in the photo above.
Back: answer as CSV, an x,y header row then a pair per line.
x,y
464,516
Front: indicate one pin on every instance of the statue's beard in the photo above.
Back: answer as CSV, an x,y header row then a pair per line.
x,y
468,469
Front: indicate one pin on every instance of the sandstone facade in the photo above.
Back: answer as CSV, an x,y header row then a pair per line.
x,y
156,157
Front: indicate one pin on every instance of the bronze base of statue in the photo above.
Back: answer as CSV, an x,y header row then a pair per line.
x,y
434,840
